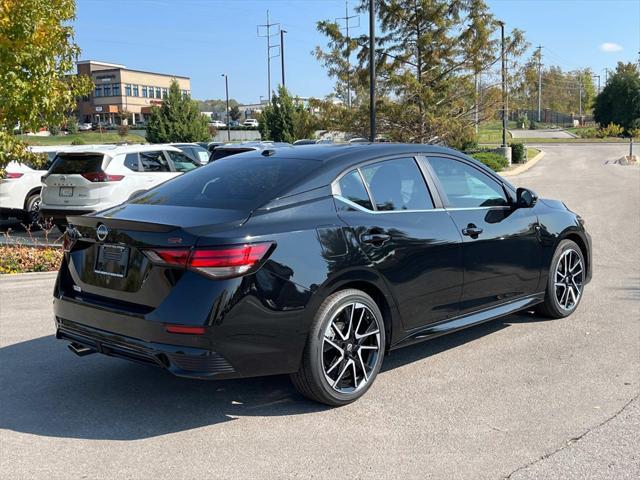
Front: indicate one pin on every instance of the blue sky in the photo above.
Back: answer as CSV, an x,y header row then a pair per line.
x,y
204,38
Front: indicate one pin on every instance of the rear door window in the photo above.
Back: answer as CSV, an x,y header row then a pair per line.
x,y
352,188
70,163
154,162
181,162
397,185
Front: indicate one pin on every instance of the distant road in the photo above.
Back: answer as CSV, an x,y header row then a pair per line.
x,y
543,133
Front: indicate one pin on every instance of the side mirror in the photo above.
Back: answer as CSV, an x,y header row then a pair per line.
x,y
525,198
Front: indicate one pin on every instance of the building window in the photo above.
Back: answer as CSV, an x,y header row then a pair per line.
x,y
165,93
107,89
135,90
144,91
151,95
98,91
116,89
158,92
127,90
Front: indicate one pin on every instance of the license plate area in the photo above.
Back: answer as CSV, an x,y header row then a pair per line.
x,y
66,191
112,260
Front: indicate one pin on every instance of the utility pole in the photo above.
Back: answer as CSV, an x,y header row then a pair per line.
x,y
539,81
606,76
266,33
598,81
226,89
504,87
282,32
580,97
475,113
372,70
347,18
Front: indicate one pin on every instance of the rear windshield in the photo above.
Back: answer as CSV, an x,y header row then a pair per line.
x,y
219,152
68,163
235,183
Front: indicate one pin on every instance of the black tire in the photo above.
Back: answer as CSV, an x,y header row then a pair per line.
x,y
311,380
553,306
32,217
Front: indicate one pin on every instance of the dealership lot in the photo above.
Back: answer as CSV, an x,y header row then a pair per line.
x,y
522,395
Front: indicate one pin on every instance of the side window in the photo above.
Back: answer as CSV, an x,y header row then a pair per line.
x,y
466,186
352,188
131,162
397,185
154,162
181,162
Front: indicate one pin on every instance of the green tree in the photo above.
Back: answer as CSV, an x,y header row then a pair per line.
x,y
177,120
276,121
428,54
37,52
619,101
234,113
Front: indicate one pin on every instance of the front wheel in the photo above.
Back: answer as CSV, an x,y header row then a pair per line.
x,y
565,282
344,351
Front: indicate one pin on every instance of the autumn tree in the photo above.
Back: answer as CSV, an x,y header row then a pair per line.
x,y
37,54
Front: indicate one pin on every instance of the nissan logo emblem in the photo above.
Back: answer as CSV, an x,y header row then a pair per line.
x,y
102,232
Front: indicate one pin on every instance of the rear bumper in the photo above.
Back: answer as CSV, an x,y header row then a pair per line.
x,y
181,361
60,215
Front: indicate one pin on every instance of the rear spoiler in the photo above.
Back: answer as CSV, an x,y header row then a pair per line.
x,y
91,221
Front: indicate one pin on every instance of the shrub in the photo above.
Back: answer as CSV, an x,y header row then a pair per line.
x,y
54,129
635,132
533,125
19,259
587,132
123,131
494,161
518,153
78,141
611,130
72,125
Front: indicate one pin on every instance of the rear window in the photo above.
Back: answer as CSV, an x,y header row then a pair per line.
x,y
68,163
219,153
243,183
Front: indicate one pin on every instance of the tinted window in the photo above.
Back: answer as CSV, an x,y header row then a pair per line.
x,y
67,163
352,188
466,186
397,185
131,162
221,152
154,162
181,162
243,183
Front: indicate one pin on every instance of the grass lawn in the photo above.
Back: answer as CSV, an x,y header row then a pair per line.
x,y
87,137
532,152
491,132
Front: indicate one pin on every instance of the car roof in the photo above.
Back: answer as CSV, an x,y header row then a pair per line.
x,y
113,150
257,145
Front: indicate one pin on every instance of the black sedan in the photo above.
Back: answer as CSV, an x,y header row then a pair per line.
x,y
314,261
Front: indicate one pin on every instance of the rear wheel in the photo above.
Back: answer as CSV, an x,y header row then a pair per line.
x,y
31,216
344,351
565,282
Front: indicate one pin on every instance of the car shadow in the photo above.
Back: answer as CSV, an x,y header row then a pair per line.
x,y
48,391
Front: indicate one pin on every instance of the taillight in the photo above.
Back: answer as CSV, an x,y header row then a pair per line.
x,y
102,177
217,262
185,329
13,175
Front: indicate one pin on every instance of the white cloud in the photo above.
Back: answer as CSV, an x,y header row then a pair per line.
x,y
610,47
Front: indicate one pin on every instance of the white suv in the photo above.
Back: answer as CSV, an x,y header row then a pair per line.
x,y
251,122
96,178
20,188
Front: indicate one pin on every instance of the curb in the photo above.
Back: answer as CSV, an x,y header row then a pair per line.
x,y
523,168
26,274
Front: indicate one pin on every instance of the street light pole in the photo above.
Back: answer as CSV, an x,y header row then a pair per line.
x,y
226,88
372,71
282,32
504,87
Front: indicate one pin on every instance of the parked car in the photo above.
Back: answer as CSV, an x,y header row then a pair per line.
x,y
85,127
217,124
234,123
314,262
359,140
313,141
94,178
235,148
20,188
211,146
195,151
251,122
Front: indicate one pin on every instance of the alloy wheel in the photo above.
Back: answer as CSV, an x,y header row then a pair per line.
x,y
569,277
350,348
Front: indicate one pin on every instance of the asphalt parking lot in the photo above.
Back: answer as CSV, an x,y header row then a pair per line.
x,y
521,397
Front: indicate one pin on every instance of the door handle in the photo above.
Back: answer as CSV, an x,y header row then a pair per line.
x,y
376,239
472,231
